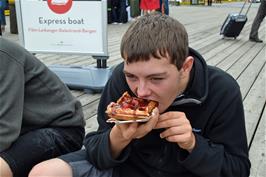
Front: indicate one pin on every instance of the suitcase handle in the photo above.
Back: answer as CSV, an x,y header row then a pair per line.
x,y
244,6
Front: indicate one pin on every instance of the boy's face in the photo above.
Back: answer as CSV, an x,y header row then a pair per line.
x,y
156,79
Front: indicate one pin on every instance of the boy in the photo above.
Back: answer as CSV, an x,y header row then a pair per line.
x,y
197,130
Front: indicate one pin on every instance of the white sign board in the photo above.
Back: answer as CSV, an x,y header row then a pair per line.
x,y
63,26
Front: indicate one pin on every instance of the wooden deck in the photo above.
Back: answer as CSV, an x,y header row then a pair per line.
x,y
243,59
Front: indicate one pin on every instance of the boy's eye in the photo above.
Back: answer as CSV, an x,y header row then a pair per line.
x,y
157,78
129,76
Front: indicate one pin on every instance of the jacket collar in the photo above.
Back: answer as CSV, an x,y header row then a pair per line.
x,y
197,89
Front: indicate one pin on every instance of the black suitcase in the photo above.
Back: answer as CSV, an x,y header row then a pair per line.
x,y
234,23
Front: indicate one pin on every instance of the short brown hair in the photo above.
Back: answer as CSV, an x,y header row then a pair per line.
x,y
155,35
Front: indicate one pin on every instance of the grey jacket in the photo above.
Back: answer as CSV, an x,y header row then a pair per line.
x,y
31,96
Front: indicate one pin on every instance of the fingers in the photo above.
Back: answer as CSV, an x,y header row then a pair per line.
x,y
127,130
154,118
179,133
185,141
184,137
171,119
177,129
155,112
171,115
145,128
138,130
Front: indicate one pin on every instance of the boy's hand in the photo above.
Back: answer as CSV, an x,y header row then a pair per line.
x,y
122,134
177,129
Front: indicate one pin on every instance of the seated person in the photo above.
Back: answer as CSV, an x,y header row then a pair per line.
x,y
198,129
39,117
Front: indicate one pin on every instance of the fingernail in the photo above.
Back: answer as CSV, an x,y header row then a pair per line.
x,y
155,111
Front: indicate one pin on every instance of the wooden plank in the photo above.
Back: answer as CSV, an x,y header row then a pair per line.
x,y
91,124
211,36
75,60
253,104
235,65
219,40
257,150
217,55
77,93
230,59
88,97
243,38
64,59
250,70
90,109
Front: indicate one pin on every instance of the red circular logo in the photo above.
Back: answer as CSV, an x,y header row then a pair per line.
x,y
59,6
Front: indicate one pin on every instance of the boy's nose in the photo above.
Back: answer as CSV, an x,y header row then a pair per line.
x,y
143,91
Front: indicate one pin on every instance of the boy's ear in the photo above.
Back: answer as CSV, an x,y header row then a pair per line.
x,y
187,65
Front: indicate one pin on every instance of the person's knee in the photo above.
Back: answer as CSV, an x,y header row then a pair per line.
x,y
37,169
5,170
52,168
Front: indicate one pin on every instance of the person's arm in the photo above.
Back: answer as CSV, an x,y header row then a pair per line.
x,y
11,99
222,150
97,143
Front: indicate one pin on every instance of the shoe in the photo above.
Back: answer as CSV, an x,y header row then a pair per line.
x,y
255,40
3,28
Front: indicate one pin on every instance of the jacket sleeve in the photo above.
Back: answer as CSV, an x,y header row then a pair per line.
x,y
222,151
11,99
97,143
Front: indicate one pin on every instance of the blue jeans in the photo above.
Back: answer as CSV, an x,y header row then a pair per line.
x,y
3,6
118,9
166,6
39,145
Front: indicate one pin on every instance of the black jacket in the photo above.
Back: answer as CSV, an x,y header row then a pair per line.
x,y
213,104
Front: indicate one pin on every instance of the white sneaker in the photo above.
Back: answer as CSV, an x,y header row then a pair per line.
x,y
3,27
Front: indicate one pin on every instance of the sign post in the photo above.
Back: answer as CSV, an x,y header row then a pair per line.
x,y
67,26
